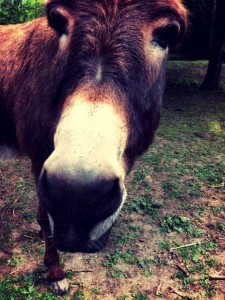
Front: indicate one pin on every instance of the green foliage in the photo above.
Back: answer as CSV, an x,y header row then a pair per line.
x,y
194,253
139,296
18,11
185,83
113,259
180,224
144,206
129,258
78,295
95,290
16,288
127,234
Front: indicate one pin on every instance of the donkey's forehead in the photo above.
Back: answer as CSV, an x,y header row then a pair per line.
x,y
152,8
106,20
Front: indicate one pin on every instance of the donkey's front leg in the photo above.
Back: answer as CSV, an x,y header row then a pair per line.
x,y
56,275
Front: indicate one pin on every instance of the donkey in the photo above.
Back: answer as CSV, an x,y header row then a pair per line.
x,y
80,95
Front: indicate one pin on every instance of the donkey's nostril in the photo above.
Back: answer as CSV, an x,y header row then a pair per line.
x,y
50,187
110,188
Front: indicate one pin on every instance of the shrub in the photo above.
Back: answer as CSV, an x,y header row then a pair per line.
x,y
20,11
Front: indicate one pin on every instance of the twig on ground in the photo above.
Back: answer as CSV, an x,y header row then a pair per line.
x,y
184,246
210,277
35,237
13,272
2,206
84,271
13,212
14,202
216,277
158,290
13,206
183,270
179,293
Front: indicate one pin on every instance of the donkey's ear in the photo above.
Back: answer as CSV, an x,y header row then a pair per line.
x,y
58,18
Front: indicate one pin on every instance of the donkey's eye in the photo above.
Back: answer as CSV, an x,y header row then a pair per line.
x,y
166,36
160,43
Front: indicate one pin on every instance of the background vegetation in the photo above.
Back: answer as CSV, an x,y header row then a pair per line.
x,y
20,11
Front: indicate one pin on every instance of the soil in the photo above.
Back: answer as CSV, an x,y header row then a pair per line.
x,y
90,268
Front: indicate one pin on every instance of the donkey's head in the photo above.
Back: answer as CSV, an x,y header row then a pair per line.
x,y
108,109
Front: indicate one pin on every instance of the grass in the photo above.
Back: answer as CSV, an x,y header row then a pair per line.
x,y
173,217
22,288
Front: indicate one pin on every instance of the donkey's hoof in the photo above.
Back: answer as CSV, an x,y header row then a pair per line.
x,y
59,287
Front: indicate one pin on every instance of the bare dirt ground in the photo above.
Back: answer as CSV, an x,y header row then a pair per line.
x,y
97,280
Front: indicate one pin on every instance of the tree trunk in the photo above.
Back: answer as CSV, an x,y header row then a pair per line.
x,y
212,77
212,8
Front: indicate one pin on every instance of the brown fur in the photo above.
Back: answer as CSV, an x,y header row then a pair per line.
x,y
37,76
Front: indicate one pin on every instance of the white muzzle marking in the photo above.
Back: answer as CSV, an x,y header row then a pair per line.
x,y
90,140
